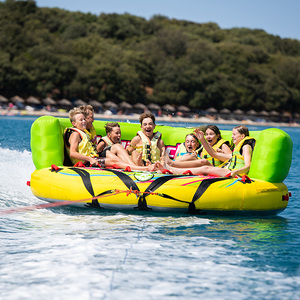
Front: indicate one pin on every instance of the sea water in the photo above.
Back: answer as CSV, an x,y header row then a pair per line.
x,y
72,253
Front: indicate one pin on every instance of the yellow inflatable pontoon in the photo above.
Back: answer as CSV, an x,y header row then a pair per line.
x,y
262,193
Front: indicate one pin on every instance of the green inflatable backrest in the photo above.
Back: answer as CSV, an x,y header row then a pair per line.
x,y
46,142
271,159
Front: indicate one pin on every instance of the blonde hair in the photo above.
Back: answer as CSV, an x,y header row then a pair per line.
x,y
73,112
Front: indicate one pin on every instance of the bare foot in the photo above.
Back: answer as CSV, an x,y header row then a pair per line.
x,y
151,167
158,167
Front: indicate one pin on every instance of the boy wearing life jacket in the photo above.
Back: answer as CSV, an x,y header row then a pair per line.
x,y
146,146
112,142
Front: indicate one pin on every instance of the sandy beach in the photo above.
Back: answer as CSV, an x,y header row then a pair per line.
x,y
135,117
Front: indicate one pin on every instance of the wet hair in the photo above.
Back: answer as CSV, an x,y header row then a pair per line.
x,y
215,129
146,115
109,126
73,112
242,129
86,109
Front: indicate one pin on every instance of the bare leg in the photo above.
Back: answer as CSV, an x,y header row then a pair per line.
x,y
186,161
204,170
137,158
187,157
119,151
112,159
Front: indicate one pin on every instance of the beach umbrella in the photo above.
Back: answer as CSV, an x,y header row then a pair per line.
x,y
168,107
225,111
79,102
183,108
263,113
95,103
49,101
274,113
33,100
125,105
140,106
211,110
287,114
3,99
238,112
153,106
16,99
64,102
251,112
110,104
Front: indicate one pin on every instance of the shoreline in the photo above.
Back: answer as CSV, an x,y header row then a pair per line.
x,y
135,117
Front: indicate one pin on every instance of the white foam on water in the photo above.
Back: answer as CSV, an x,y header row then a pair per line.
x,y
16,168
70,253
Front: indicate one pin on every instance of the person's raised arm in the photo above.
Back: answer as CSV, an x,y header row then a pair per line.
x,y
219,155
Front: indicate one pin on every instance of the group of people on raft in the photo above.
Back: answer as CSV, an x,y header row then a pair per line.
x,y
203,152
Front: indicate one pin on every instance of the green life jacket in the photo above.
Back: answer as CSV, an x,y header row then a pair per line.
x,y
237,159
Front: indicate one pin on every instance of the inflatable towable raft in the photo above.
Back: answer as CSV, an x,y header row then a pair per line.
x,y
263,192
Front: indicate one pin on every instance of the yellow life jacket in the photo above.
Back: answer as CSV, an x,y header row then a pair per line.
x,y
85,146
214,161
92,134
150,150
182,151
107,141
237,159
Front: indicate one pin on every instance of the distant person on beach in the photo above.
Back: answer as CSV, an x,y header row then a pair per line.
x,y
238,163
190,154
146,147
81,149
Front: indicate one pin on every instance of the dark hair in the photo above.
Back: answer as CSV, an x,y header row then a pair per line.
x,y
193,135
147,115
109,126
242,129
215,129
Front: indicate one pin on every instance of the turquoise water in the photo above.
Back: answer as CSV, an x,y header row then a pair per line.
x,y
64,253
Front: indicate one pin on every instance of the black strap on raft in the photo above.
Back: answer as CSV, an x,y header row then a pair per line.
x,y
142,204
203,186
86,179
125,178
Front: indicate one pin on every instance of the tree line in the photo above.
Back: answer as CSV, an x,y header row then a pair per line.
x,y
51,51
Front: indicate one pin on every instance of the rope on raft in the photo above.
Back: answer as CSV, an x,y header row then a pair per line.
x,y
63,203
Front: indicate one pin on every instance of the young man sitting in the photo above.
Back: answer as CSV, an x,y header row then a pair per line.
x,y
146,147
